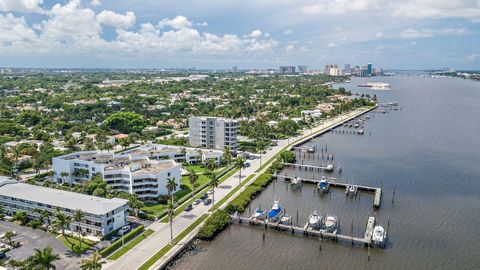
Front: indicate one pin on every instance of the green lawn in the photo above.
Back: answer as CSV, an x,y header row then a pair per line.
x,y
154,208
202,179
130,245
86,244
197,168
167,248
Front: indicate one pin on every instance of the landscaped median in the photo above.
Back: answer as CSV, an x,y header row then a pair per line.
x,y
169,246
118,243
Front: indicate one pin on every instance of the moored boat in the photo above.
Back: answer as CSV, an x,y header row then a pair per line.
x,y
314,220
295,182
286,219
330,223
379,235
351,190
323,185
360,131
258,214
329,168
275,211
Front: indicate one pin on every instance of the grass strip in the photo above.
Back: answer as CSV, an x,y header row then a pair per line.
x,y
135,241
169,246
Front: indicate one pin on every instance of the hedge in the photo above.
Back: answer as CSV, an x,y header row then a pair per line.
x,y
117,244
240,203
214,225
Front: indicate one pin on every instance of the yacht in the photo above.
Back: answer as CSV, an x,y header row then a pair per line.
x,y
367,116
274,213
314,220
330,224
323,185
379,235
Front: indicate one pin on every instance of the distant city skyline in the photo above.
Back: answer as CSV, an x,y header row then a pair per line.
x,y
412,34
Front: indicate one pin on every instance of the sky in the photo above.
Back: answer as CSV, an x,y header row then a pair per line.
x,y
392,34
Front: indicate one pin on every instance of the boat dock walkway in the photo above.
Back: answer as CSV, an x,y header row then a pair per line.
x,y
333,183
309,167
366,240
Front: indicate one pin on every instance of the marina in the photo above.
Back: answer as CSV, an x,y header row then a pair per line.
x,y
306,230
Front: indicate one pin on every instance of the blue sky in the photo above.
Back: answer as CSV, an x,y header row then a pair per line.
x,y
408,34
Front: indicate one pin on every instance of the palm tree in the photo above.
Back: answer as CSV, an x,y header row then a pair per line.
x,y
62,221
171,212
78,217
211,165
43,259
214,183
227,154
240,164
13,264
9,235
63,176
193,178
94,263
171,186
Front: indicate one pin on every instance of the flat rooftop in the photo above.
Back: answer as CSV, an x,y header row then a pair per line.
x,y
59,198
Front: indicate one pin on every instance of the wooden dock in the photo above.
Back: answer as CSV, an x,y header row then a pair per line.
x,y
310,167
333,183
366,240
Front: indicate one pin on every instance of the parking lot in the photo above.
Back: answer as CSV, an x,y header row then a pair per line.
x,y
31,239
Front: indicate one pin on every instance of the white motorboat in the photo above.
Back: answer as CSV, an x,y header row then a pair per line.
x,y
351,190
379,235
286,219
329,168
360,131
314,220
323,185
330,224
295,182
367,116
258,214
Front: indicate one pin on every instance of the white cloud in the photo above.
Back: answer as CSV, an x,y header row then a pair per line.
x,y
14,30
255,34
176,23
412,33
108,17
288,31
473,57
95,3
290,47
379,35
25,6
332,45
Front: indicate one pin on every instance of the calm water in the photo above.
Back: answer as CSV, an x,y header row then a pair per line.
x,y
429,151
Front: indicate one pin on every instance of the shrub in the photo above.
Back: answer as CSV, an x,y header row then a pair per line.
x,y
214,225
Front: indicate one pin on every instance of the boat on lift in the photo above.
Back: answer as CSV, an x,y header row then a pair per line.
x,y
351,190
360,132
323,185
295,182
314,220
259,214
329,168
367,116
275,211
286,219
330,224
379,236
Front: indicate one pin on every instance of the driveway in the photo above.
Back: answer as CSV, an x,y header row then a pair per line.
x,y
31,239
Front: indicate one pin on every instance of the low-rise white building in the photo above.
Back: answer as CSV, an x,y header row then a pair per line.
x,y
123,172
312,113
180,154
102,216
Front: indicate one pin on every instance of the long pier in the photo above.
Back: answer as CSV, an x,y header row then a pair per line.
x,y
366,240
310,167
333,183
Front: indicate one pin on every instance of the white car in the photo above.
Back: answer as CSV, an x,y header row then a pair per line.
x,y
197,201
210,191
124,230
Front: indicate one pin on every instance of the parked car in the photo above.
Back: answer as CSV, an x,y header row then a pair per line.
x,y
247,164
197,201
204,196
207,201
188,208
123,230
210,191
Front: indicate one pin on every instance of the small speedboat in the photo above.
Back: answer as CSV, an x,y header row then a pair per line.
x,y
379,235
310,149
258,214
356,125
351,190
323,185
329,168
286,219
360,131
314,220
295,182
274,213
330,224
367,116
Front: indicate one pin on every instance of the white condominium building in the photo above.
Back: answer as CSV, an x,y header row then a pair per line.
x,y
124,172
179,154
213,132
102,216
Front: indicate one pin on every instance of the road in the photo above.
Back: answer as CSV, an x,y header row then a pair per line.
x,y
135,257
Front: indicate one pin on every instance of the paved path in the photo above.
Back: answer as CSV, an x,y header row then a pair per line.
x,y
135,257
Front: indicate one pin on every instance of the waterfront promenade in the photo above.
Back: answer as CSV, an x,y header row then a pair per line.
x,y
138,255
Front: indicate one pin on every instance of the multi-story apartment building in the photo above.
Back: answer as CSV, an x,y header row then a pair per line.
x,y
123,172
102,216
213,132
179,154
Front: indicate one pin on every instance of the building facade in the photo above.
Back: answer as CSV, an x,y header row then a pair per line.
x,y
213,132
179,154
102,216
287,69
123,172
